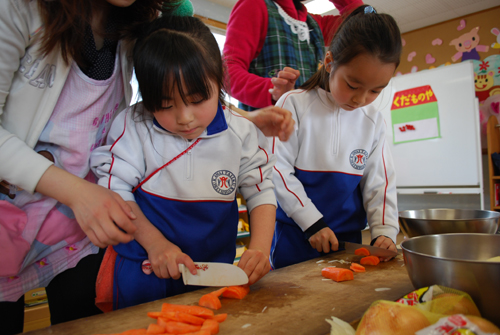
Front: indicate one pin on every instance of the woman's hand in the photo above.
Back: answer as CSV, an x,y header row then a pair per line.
x,y
284,82
101,213
324,241
272,121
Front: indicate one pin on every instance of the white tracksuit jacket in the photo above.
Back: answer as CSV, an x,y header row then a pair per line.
x,y
335,166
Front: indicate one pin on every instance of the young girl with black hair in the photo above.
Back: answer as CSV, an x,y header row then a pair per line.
x,y
178,158
335,174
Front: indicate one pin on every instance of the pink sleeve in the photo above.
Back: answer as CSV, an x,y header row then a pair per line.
x,y
245,35
329,23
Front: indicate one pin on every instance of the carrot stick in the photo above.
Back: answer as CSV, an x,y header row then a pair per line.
x,y
180,317
357,268
211,325
236,292
370,260
220,317
210,301
219,292
337,274
362,252
155,328
193,310
179,327
199,332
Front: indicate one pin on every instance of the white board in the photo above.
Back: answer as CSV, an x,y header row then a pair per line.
x,y
453,161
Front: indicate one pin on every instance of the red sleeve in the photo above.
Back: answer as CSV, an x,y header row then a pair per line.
x,y
245,35
329,23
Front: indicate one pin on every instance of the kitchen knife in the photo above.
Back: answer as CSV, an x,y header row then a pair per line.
x,y
214,274
375,251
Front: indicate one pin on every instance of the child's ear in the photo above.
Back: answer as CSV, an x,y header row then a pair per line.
x,y
328,62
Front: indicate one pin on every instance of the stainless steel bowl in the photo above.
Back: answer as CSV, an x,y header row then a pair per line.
x,y
444,221
458,261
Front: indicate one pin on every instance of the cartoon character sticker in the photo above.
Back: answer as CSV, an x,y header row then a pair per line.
x,y
468,46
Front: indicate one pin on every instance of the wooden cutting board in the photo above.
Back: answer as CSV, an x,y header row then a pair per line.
x,y
291,300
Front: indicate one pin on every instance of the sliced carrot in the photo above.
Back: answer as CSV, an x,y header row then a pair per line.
x,y
362,252
219,292
357,268
337,274
154,315
175,327
211,325
220,317
210,301
155,328
193,310
181,317
199,332
236,292
370,260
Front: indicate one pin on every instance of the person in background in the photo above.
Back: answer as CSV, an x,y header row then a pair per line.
x,y
273,46
335,174
178,158
64,73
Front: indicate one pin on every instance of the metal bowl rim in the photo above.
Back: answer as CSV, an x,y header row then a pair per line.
x,y
444,258
497,214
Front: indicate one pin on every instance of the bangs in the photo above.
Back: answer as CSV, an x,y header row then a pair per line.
x,y
162,67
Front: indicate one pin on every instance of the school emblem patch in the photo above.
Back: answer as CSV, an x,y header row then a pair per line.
x,y
224,182
358,159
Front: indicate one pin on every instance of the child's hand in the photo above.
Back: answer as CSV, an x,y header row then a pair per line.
x,y
284,82
324,241
165,258
255,263
386,243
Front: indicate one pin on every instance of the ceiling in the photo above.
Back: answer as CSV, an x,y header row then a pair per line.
x,y
410,14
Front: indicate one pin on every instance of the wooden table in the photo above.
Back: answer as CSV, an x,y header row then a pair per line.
x,y
291,300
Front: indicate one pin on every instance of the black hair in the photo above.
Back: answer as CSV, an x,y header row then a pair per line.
x,y
175,47
371,33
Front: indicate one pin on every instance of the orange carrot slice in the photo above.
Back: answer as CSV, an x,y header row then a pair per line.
x,y
357,268
211,325
370,260
175,327
362,252
178,316
219,291
337,274
199,332
193,310
155,328
210,301
220,317
236,292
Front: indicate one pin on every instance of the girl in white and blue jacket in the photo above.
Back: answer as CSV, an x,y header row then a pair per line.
x,y
335,174
178,158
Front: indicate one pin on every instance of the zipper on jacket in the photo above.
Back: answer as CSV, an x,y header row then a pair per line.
x,y
335,132
189,163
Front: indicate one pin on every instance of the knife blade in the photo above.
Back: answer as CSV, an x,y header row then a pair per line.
x,y
214,274
375,251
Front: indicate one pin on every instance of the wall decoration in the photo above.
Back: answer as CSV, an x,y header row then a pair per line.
x,y
415,115
468,46
411,55
437,41
461,25
496,32
429,59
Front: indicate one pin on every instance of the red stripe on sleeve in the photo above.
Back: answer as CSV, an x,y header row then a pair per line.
x,y
283,179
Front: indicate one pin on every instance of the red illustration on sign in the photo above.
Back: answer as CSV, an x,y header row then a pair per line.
x,y
413,97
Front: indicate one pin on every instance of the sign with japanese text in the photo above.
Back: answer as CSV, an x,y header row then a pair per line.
x,y
415,115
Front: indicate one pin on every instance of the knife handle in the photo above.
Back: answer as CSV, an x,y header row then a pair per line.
x,y
341,245
182,270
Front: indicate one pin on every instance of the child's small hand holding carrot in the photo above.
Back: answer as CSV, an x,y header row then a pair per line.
x,y
386,243
324,241
255,263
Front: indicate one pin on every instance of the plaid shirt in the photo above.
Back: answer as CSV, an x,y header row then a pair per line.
x,y
283,47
